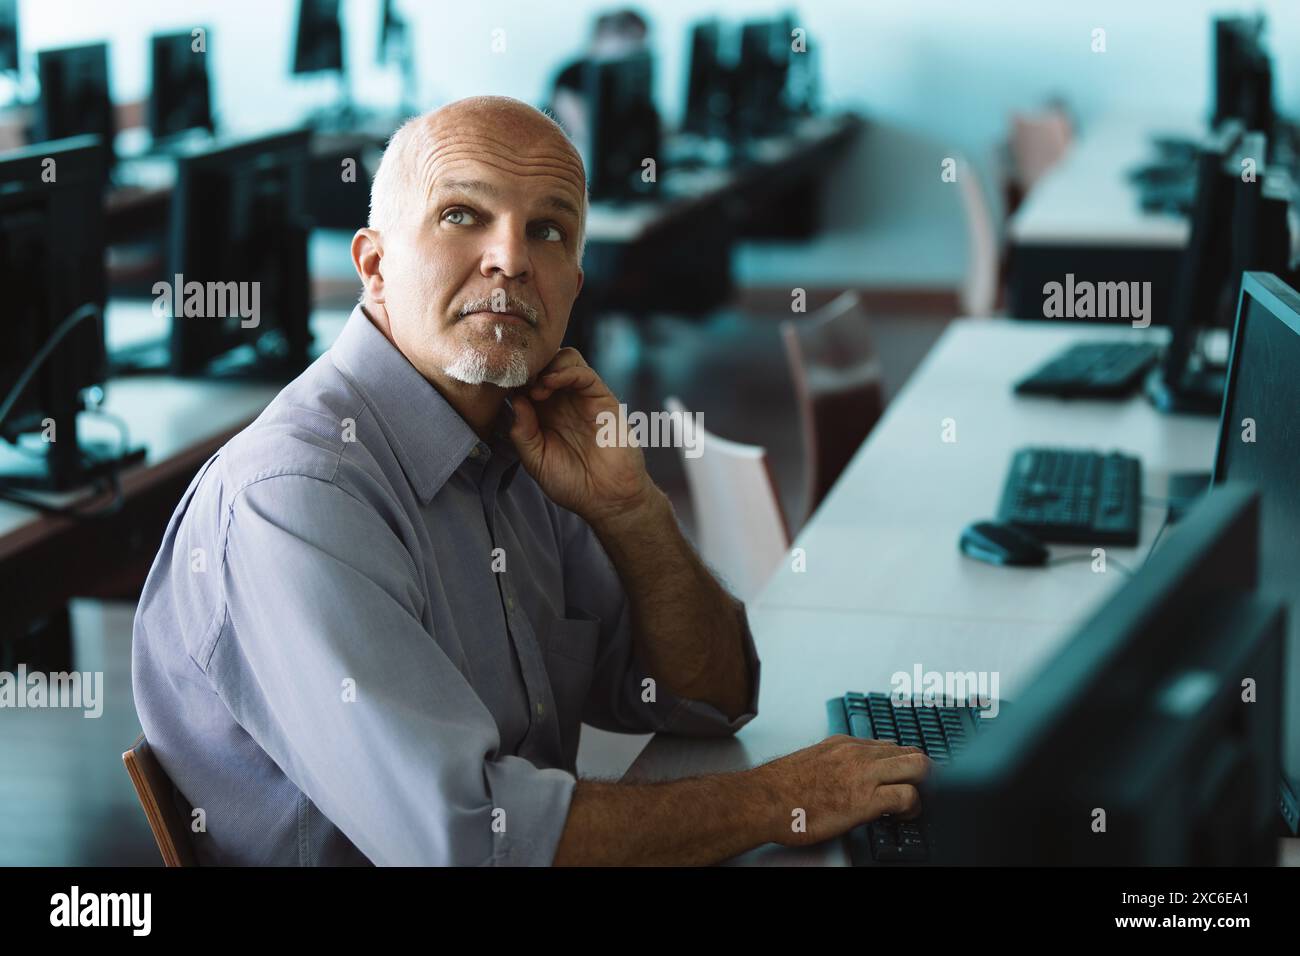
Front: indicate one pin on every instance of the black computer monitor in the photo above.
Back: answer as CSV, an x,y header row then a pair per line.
x,y
1243,81
180,97
1258,442
624,127
708,90
1261,228
75,95
52,270
760,82
1179,383
238,241
1152,737
9,36
318,39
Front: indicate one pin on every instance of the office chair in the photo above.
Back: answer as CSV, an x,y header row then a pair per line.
x,y
741,529
979,291
154,788
837,384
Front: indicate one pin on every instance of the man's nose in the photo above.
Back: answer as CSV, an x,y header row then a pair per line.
x,y
507,253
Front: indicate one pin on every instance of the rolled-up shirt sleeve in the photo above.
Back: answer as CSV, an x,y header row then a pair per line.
x,y
620,698
323,660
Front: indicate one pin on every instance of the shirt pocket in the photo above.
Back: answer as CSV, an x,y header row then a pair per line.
x,y
571,646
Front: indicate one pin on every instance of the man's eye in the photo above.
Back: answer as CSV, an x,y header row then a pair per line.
x,y
465,217
550,233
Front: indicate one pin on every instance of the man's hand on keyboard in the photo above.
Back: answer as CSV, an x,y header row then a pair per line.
x,y
841,783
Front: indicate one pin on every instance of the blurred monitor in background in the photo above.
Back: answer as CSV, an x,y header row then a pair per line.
x,y
52,267
318,41
623,126
708,82
614,35
180,98
8,36
760,107
74,95
239,234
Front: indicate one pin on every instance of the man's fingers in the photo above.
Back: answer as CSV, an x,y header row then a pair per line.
x,y
904,768
525,433
568,357
897,799
581,378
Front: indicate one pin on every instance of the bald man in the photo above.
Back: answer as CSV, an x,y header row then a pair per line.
x,y
382,611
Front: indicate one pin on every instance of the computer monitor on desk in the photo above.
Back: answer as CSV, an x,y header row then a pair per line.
x,y
75,95
1185,381
624,127
237,285
708,82
1152,738
52,270
1259,442
760,107
9,36
318,39
180,98
1243,76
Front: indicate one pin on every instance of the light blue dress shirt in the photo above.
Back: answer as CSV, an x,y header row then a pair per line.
x,y
370,637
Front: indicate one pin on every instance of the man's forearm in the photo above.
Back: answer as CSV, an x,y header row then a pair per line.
x,y
687,628
677,823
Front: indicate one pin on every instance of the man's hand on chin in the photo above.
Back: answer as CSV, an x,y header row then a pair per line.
x,y
555,431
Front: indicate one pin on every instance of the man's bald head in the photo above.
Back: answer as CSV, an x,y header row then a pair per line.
x,y
473,256
405,176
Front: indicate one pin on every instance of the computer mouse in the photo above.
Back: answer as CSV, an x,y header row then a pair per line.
x,y
999,543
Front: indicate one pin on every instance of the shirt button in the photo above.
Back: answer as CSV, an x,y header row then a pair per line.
x,y
510,603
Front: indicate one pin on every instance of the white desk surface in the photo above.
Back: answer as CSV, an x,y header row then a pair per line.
x,y
885,587
1087,199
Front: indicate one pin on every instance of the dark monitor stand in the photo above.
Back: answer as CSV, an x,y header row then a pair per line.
x,y
52,263
1186,381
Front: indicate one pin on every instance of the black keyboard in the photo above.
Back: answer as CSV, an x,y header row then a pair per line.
x,y
1074,497
941,732
1093,370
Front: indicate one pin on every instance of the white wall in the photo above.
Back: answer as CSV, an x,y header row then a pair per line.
x,y
933,75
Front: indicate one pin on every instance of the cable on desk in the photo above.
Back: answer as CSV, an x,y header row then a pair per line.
x,y
1152,550
79,315
112,481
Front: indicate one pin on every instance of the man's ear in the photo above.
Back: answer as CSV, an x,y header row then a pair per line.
x,y
367,258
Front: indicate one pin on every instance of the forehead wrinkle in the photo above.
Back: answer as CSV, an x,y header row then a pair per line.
x,y
561,154
451,152
543,171
480,136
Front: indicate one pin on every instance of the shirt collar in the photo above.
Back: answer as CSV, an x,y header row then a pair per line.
x,y
428,435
